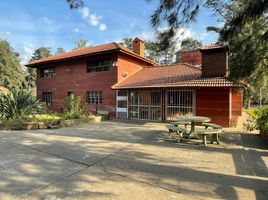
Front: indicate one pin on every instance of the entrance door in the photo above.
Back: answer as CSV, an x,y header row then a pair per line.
x,y
122,104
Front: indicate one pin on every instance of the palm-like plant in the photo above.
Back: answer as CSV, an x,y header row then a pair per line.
x,y
19,104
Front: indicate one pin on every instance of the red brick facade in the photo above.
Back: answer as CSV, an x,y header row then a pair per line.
x,y
72,76
215,97
191,57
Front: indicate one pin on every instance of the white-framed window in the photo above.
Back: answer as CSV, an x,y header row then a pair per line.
x,y
94,97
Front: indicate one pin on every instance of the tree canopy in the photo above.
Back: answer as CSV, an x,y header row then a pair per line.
x,y
60,50
189,44
39,53
80,44
11,75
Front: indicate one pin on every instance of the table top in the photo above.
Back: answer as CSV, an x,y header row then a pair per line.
x,y
194,119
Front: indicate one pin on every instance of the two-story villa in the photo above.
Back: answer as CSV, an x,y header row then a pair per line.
x,y
130,86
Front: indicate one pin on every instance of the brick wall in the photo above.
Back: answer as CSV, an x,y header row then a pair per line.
x,y
127,65
79,82
213,103
191,57
237,103
214,63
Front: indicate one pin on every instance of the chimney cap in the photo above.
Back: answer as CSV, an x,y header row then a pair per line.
x,y
138,39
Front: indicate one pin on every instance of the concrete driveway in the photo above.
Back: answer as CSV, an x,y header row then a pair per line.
x,y
120,160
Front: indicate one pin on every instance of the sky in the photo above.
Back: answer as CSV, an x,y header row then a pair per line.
x,y
30,24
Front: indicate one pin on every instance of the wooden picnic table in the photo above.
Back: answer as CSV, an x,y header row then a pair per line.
x,y
194,120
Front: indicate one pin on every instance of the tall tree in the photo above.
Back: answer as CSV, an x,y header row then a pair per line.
x,y
81,44
11,75
60,50
39,53
189,44
248,50
127,42
180,13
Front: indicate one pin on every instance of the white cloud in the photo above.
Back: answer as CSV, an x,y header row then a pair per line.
x,y
27,54
84,12
103,27
92,18
181,34
6,33
46,21
77,30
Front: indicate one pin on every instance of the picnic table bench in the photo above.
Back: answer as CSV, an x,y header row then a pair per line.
x,y
210,129
214,133
211,125
179,131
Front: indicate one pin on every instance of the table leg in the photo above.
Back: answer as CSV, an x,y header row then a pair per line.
x,y
192,127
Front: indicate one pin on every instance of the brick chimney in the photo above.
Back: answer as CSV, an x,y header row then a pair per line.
x,y
193,57
215,61
138,46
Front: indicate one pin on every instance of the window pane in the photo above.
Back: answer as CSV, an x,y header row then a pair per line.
x,y
94,97
99,66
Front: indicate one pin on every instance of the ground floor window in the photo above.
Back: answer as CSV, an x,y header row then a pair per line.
x,y
47,97
179,102
94,97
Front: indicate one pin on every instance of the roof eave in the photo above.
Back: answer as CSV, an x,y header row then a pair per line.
x,y
35,65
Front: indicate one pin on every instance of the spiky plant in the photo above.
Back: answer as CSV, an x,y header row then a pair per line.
x,y
19,104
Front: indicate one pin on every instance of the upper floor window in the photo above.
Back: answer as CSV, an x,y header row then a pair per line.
x,y
48,72
99,66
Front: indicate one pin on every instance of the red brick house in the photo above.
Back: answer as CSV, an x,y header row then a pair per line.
x,y
128,85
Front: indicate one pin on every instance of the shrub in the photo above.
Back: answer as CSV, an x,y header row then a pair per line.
x,y
262,119
74,108
19,104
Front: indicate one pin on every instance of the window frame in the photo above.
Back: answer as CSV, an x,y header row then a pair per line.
x,y
45,97
94,97
51,72
99,65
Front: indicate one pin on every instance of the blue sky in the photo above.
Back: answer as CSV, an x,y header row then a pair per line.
x,y
30,24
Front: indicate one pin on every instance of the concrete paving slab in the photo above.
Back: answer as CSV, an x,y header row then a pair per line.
x,y
94,183
24,170
123,160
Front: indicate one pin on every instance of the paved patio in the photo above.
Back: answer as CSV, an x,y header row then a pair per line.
x,y
120,160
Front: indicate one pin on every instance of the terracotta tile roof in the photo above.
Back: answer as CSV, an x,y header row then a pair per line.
x,y
87,51
180,75
212,46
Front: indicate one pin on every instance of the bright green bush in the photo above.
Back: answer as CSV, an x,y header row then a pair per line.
x,y
74,108
19,104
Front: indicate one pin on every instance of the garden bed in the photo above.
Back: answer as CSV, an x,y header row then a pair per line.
x,y
49,122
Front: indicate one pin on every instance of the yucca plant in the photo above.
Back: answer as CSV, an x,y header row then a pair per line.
x,y
19,104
